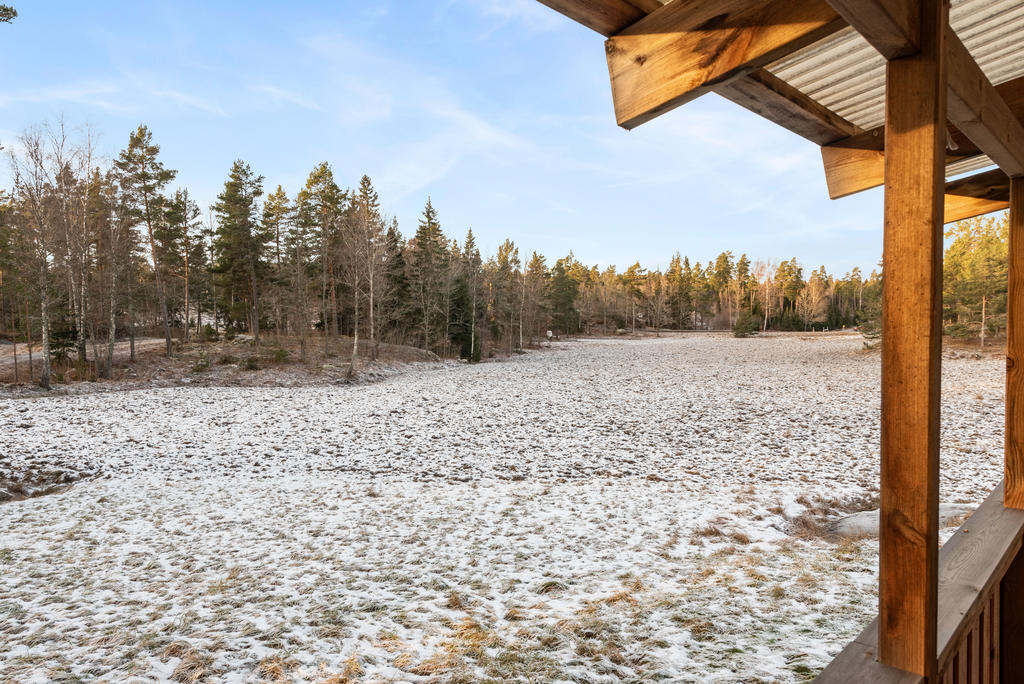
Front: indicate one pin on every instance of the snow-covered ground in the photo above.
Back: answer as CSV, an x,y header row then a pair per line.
x,y
609,510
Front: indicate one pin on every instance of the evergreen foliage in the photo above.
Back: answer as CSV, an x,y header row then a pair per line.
x,y
108,253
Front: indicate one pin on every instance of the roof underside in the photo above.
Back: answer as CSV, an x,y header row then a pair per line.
x,y
847,75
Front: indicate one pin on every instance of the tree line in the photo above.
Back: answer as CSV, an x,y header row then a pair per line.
x,y
92,252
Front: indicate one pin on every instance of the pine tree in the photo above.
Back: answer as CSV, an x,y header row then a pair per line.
x,y
320,207
143,178
277,213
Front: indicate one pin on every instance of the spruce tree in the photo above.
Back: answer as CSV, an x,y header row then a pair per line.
x,y
397,296
239,244
426,268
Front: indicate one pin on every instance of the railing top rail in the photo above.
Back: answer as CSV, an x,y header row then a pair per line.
x,y
971,564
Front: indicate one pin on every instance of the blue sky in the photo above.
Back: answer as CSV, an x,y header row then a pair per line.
x,y
500,110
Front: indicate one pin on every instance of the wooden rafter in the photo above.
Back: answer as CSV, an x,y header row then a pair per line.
x,y
769,96
975,106
607,17
977,109
685,49
759,91
975,195
855,163
891,26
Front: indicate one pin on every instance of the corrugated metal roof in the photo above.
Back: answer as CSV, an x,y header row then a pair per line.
x,y
847,75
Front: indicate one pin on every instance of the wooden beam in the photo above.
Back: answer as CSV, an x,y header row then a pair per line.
x,y
769,96
1014,436
683,49
607,17
891,26
975,195
856,163
761,92
977,109
911,349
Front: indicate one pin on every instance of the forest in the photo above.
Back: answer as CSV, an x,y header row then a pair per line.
x,y
94,251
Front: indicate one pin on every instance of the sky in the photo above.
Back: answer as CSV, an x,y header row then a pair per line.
x,y
500,111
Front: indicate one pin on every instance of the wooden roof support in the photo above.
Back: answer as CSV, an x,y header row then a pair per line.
x,y
764,93
977,109
911,349
856,163
760,91
607,17
684,49
891,26
1014,445
975,195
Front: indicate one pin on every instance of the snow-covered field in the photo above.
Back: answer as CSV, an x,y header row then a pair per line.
x,y
610,510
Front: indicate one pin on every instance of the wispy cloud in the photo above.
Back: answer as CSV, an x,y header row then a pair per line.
x,y
95,94
428,128
190,101
528,13
284,95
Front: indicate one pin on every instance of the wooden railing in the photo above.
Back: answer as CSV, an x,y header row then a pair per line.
x,y
980,636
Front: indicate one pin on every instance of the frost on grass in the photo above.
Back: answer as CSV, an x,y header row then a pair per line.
x,y
619,510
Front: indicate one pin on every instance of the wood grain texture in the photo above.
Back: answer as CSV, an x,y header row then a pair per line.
x,y
891,26
850,166
980,112
772,98
1013,455
972,565
911,349
684,49
975,195
604,16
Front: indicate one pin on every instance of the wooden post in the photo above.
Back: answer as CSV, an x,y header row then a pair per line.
x,y
1013,497
915,134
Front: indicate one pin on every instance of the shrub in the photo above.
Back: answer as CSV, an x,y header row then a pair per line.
x,y
251,363
202,364
279,355
958,331
208,334
747,324
229,334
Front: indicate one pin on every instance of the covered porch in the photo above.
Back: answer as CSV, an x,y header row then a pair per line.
x,y
927,99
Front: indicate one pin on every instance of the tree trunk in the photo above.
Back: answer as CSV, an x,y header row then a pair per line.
x,y
131,325
186,288
373,333
355,333
983,301
112,331
44,306
28,336
160,292
472,326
